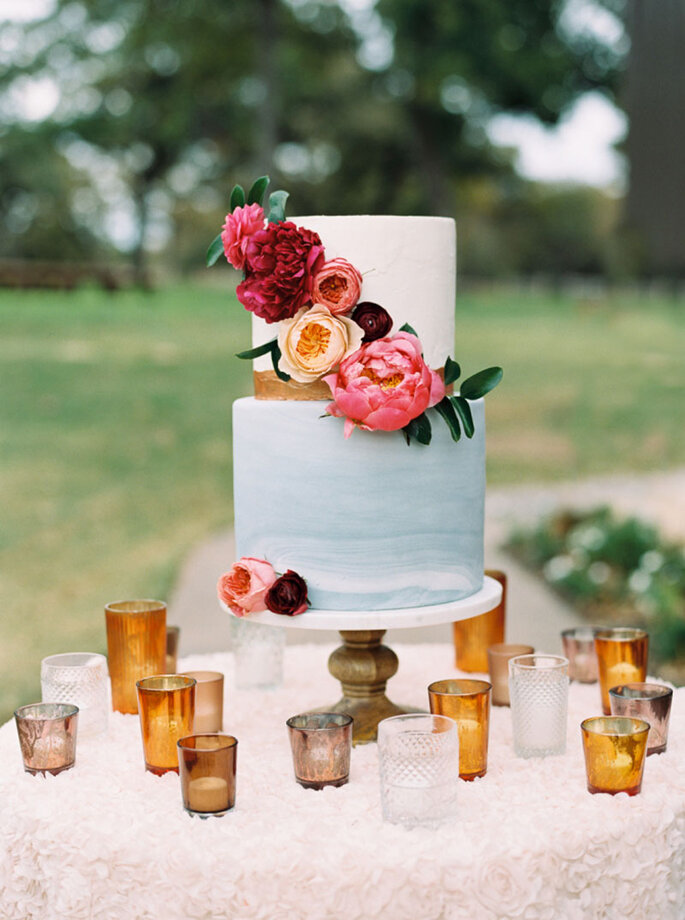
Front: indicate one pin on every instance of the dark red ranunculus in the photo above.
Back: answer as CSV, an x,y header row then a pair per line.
x,y
373,319
288,595
280,262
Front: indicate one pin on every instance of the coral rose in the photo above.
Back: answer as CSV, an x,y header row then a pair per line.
x,y
337,286
314,341
244,588
240,224
384,385
281,261
288,595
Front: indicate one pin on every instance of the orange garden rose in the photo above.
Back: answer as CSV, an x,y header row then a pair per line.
x,y
337,286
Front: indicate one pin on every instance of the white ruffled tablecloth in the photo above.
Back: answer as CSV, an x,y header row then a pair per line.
x,y
108,841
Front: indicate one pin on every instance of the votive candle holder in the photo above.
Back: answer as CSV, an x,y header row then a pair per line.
x,y
207,767
579,648
473,637
166,704
621,658
538,686
651,702
467,702
209,701
321,744
499,656
614,748
136,647
79,678
47,736
258,654
173,635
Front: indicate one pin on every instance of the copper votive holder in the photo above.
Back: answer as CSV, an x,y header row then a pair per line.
x,y
467,702
209,701
474,636
173,634
166,704
579,648
207,766
136,647
614,748
321,743
651,702
498,669
622,659
47,736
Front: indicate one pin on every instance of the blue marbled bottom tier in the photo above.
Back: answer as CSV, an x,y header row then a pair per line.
x,y
369,522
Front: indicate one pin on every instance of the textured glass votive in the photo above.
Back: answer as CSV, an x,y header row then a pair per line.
x,y
207,765
468,703
166,704
209,701
579,648
258,654
173,634
622,659
79,678
614,748
321,743
418,757
651,702
538,685
474,636
136,647
47,736
498,668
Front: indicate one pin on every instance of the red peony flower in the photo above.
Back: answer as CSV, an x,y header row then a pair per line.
x,y
280,262
288,595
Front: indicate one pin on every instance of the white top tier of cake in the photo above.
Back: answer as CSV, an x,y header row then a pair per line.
x,y
408,265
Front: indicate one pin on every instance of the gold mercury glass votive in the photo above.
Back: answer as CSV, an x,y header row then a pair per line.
x,y
651,702
467,702
614,748
209,701
166,707
474,636
207,766
173,634
321,744
498,668
47,736
621,658
136,647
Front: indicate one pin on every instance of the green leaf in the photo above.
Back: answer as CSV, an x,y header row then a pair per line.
x,y
259,350
257,189
275,356
408,328
216,249
452,371
481,383
464,412
446,410
237,197
277,202
419,428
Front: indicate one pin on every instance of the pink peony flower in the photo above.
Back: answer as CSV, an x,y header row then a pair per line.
x,y
240,224
384,385
281,261
244,588
337,286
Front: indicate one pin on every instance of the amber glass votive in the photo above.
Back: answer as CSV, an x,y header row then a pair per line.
x,y
321,743
209,701
474,636
651,702
166,704
47,736
498,669
173,634
207,764
467,702
614,748
136,647
621,658
579,648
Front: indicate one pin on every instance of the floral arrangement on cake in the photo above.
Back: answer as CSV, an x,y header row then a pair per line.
x,y
252,586
378,381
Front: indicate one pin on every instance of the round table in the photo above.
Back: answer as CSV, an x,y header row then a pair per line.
x,y
108,841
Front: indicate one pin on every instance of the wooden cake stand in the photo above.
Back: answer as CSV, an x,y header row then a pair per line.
x,y
362,664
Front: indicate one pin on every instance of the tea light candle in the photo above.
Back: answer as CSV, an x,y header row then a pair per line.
x,y
208,793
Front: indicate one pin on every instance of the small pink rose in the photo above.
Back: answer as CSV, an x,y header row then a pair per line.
x,y
337,286
244,588
240,224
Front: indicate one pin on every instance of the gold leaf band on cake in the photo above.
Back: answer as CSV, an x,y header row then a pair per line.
x,y
268,386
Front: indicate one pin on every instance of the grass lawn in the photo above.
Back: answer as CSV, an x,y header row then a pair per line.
x,y
115,455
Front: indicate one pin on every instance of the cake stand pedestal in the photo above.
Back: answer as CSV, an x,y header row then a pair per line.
x,y
362,664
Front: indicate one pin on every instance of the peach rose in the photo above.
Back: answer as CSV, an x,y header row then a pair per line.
x,y
244,588
314,341
337,286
